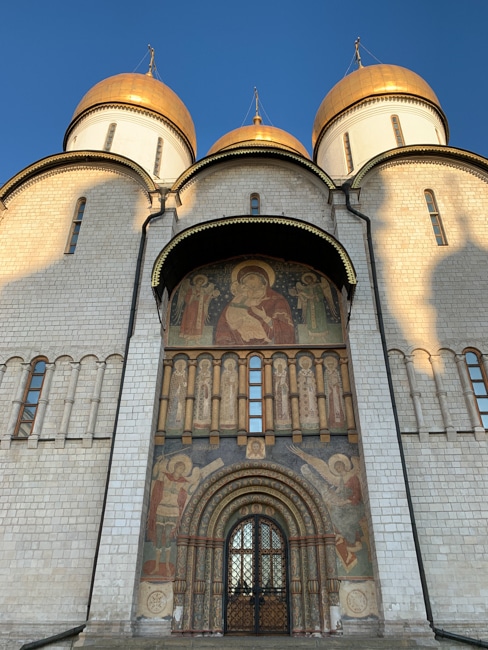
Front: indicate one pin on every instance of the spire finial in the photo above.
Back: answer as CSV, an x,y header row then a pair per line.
x,y
152,66
357,55
257,117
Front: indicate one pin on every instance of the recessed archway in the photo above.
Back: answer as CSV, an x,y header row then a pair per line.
x,y
217,505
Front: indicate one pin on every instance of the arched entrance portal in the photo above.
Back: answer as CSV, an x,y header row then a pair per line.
x,y
263,494
256,586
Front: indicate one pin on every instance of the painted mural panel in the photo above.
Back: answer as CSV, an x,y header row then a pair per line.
x,y
331,470
255,301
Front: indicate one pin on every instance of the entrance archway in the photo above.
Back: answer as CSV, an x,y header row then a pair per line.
x,y
235,494
256,585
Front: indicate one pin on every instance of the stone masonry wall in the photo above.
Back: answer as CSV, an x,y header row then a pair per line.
x,y
433,300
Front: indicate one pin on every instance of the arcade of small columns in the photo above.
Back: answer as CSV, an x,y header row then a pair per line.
x,y
242,358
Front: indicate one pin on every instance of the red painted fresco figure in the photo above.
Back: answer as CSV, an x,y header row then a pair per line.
x,y
168,498
257,315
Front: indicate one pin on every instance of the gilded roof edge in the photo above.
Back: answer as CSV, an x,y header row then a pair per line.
x,y
73,157
192,171
424,150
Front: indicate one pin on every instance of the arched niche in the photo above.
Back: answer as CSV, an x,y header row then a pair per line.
x,y
280,237
217,504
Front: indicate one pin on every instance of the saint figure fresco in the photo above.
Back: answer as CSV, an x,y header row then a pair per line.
x,y
281,393
307,390
203,398
335,398
228,393
177,396
311,292
192,306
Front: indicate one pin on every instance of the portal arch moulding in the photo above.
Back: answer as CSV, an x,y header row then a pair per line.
x,y
218,503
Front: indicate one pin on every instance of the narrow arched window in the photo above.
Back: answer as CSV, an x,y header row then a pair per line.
x,y
348,153
110,137
157,159
76,226
255,401
255,204
397,130
30,402
479,383
435,218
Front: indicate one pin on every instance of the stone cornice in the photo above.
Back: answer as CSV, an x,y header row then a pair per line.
x,y
256,151
74,158
422,151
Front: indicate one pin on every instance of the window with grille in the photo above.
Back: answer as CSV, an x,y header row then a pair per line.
x,y
158,157
479,384
348,153
110,137
28,410
397,130
255,404
76,227
255,204
435,218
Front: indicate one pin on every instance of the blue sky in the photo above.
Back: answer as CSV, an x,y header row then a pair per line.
x,y
213,53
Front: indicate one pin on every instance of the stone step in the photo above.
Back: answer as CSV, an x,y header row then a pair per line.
x,y
261,643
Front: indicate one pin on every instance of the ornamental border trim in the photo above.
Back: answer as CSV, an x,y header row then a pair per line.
x,y
281,221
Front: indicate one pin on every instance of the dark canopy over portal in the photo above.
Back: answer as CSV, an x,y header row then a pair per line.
x,y
280,237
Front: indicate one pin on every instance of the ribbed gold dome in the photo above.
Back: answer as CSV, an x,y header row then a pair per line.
x,y
367,82
142,91
259,135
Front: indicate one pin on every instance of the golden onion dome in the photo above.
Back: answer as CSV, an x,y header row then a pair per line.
x,y
372,81
140,91
258,135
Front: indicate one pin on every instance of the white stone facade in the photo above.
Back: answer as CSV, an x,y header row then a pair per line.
x,y
76,493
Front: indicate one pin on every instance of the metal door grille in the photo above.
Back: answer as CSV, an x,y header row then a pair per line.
x,y
256,596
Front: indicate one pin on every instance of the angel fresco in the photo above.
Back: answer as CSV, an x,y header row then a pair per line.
x,y
311,292
174,481
194,297
338,482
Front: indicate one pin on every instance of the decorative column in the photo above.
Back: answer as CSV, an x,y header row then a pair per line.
x,y
297,624
187,618
164,401
199,584
16,405
214,425
33,439
295,410
68,405
179,585
268,400
416,398
474,416
322,572
313,587
352,434
216,609
190,402
242,403
442,397
333,586
321,400
94,404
